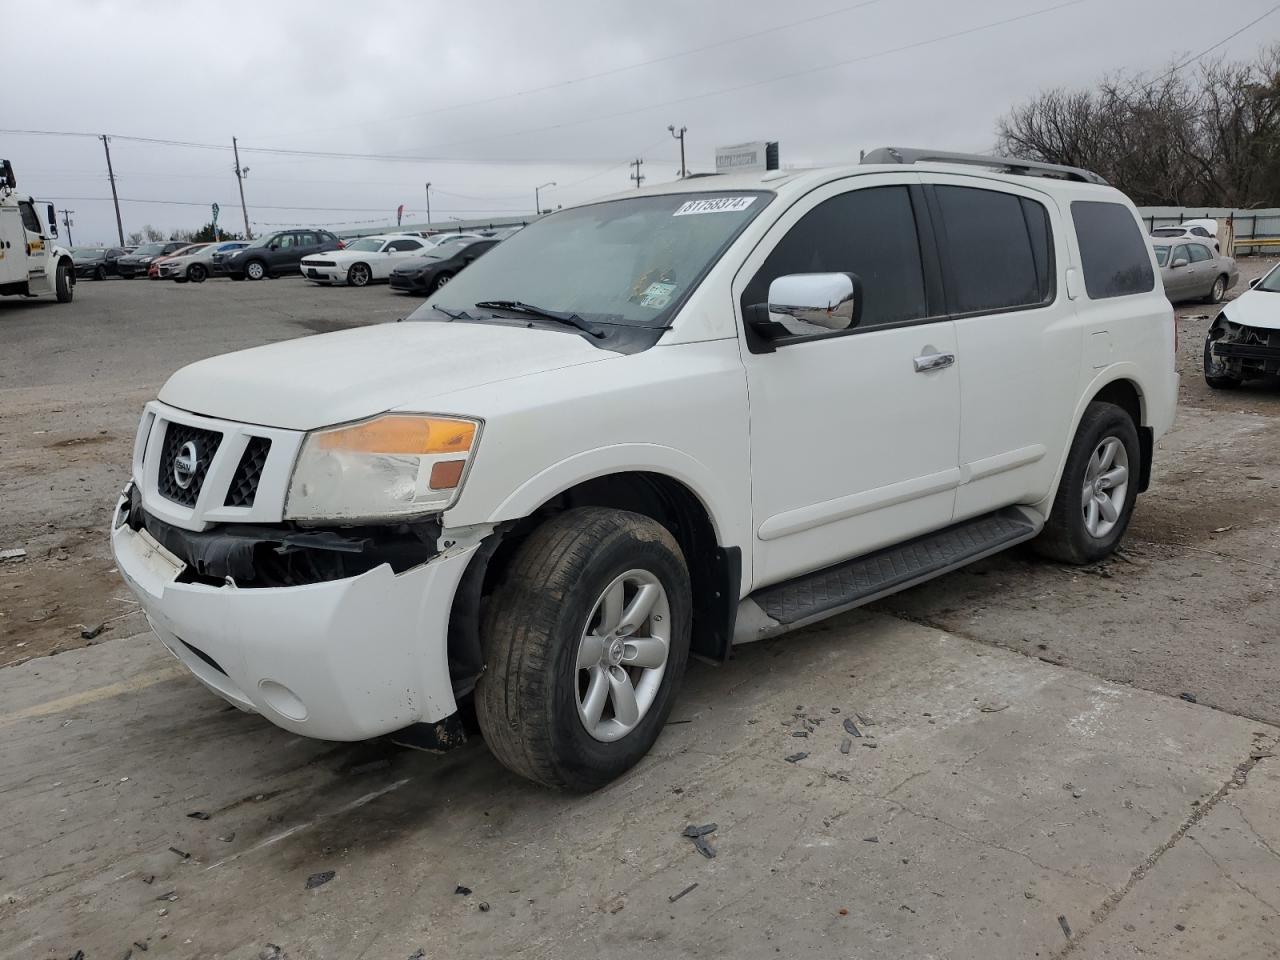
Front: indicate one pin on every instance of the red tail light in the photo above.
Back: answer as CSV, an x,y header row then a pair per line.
x,y
342,244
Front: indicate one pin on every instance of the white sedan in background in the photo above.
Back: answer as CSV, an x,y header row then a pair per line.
x,y
363,261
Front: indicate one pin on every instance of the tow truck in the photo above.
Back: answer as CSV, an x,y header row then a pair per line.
x,y
32,262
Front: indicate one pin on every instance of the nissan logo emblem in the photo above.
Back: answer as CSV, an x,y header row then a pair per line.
x,y
185,464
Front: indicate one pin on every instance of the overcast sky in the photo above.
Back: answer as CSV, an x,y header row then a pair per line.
x,y
499,97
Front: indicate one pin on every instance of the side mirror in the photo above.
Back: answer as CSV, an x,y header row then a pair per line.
x,y
274,246
1178,262
1255,281
805,304
53,221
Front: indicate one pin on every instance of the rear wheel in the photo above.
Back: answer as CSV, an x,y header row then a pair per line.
x,y
197,273
1098,488
359,274
255,270
585,642
63,283
1219,290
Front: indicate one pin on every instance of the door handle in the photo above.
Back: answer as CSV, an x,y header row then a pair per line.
x,y
934,361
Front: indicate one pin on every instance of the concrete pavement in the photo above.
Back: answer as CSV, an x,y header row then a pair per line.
x,y
1002,794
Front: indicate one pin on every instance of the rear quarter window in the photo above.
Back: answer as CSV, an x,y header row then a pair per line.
x,y
1113,251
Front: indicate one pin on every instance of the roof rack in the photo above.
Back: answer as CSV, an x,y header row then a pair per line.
x,y
1025,168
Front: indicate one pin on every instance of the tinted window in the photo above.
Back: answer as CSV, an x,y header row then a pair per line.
x,y
1200,231
1199,252
997,250
869,232
1113,252
402,245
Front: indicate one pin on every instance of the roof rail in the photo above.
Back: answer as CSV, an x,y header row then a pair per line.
x,y
1025,168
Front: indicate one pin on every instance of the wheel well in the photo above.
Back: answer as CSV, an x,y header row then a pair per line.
x,y
358,263
715,572
1124,394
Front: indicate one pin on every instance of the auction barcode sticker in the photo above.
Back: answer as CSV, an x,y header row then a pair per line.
x,y
714,205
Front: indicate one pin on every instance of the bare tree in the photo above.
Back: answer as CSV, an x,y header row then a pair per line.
x,y
135,238
152,234
1210,140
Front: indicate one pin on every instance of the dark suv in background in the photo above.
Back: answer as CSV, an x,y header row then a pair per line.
x,y
274,255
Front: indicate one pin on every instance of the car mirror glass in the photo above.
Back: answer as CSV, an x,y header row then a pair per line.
x,y
803,304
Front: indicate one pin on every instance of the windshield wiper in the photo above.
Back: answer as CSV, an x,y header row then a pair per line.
x,y
529,310
452,314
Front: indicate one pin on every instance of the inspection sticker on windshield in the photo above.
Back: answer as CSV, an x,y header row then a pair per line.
x,y
657,295
714,205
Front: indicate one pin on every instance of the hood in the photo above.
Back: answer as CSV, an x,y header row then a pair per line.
x,y
337,377
1255,308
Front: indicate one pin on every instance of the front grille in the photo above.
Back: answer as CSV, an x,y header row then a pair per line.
x,y
176,437
319,263
244,484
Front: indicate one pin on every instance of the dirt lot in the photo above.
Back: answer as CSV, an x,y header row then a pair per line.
x,y
997,806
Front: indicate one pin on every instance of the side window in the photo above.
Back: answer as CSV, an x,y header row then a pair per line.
x,y
1200,231
29,218
1199,252
1180,252
998,250
403,245
1113,252
869,232
285,240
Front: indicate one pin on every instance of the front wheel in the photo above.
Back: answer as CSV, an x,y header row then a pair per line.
x,y
255,270
359,275
585,641
197,273
1098,488
1214,370
63,283
441,280
100,273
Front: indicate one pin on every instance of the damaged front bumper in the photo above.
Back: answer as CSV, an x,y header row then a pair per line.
x,y
337,659
1237,351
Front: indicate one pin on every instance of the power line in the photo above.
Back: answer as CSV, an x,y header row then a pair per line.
x,y
259,206
528,91
1208,50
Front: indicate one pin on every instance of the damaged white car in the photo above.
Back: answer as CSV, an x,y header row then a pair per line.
x,y
1243,342
646,428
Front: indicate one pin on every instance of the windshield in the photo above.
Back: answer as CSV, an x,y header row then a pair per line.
x,y
366,244
1271,282
627,261
149,249
88,253
1162,256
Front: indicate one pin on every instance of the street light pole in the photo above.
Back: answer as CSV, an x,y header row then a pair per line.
x,y
537,198
428,204
68,223
240,175
679,135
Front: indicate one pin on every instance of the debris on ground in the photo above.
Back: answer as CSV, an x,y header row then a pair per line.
x,y
16,554
699,837
88,633
462,891
320,879
676,896
271,952
141,946
796,757
419,954
993,707
851,728
171,896
149,878
871,839
870,743
1066,927
182,853
484,906
843,911
198,815
227,838
1189,697
800,733
845,744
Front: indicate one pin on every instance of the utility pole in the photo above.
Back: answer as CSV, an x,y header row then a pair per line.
x,y
114,197
429,204
638,177
68,223
679,135
240,175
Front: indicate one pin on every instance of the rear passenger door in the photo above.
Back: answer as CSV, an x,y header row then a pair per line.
x,y
1018,339
853,432
1202,270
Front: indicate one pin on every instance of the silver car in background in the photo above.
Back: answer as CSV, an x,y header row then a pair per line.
x,y
196,264
1192,270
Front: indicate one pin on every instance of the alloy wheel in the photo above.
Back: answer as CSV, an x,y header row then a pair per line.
x,y
1106,483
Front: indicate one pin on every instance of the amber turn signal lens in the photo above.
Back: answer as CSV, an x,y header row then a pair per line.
x,y
446,474
401,434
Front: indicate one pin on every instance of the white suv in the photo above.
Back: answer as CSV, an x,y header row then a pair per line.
x,y
664,423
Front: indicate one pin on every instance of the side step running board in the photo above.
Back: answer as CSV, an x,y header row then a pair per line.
x,y
850,584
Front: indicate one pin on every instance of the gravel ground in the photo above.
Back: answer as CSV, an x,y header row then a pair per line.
x,y
1187,606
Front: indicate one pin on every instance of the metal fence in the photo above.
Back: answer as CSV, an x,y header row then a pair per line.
x,y
1255,231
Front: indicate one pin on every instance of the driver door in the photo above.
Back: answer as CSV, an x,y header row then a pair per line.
x,y
854,433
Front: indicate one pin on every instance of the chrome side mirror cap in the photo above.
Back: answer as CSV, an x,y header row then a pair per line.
x,y
806,304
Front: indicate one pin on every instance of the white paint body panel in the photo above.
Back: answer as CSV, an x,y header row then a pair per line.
x,y
1255,308
802,457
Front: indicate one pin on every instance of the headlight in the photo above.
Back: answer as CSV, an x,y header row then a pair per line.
x,y
391,466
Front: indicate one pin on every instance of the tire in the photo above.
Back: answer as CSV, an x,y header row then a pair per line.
x,y
197,273
255,270
1218,291
1216,381
359,275
440,281
100,273
533,698
64,283
1067,536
